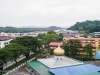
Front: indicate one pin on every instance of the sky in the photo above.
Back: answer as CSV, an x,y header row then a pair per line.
x,y
45,13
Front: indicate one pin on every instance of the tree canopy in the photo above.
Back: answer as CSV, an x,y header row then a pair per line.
x,y
72,47
87,26
24,30
28,41
51,32
88,50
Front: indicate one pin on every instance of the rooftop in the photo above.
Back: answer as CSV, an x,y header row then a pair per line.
x,y
55,44
66,61
76,70
79,38
84,69
39,67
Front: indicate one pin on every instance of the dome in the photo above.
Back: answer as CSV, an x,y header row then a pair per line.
x,y
58,51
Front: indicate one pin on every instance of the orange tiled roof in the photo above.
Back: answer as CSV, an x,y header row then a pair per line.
x,y
72,38
83,44
55,44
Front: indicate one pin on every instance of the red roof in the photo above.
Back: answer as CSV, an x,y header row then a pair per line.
x,y
55,44
2,38
83,45
72,38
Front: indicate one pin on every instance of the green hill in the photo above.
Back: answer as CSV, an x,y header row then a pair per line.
x,y
87,26
23,30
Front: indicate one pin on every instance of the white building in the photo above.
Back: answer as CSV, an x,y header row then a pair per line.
x,y
4,41
10,34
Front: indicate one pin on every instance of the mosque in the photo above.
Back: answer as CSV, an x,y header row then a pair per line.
x,y
61,65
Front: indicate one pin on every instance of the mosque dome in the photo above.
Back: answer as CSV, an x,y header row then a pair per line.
x,y
58,51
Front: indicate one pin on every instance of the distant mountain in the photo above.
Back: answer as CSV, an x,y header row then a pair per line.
x,y
53,28
32,27
24,29
87,26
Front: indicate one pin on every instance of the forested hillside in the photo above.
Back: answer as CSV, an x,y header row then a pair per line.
x,y
87,26
23,30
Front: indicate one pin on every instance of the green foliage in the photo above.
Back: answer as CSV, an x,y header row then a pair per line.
x,y
14,65
85,35
17,47
60,37
51,32
5,56
41,36
24,30
88,50
1,64
50,38
15,50
28,41
28,44
72,47
87,26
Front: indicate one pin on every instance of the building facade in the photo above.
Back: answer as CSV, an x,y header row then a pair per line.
x,y
4,41
95,42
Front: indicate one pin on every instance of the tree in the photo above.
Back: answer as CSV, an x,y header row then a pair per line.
x,y
67,49
87,26
60,37
50,38
40,36
88,50
27,41
15,50
51,32
85,35
5,56
26,52
72,47
1,65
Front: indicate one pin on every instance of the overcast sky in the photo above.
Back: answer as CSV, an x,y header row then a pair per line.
x,y
45,13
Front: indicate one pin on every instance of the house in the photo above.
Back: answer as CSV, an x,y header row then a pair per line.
x,y
95,34
4,40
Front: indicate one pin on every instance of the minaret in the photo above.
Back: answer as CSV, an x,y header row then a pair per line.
x,y
58,53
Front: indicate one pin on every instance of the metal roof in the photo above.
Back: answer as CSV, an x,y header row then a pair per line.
x,y
93,73
97,55
75,70
53,63
39,67
55,44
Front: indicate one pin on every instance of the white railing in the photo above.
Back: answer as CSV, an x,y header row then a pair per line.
x,y
10,71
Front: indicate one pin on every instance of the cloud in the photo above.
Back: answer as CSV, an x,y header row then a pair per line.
x,y
47,12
